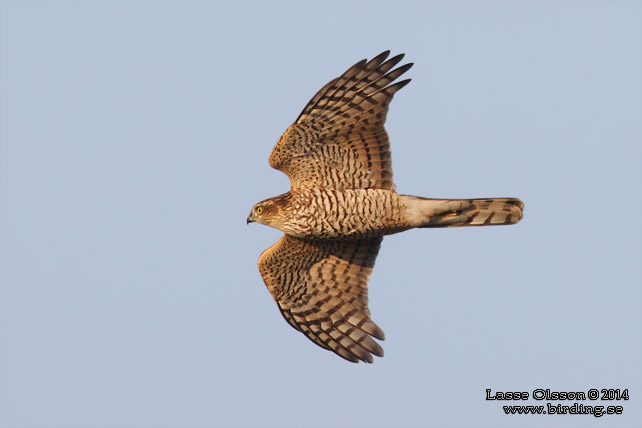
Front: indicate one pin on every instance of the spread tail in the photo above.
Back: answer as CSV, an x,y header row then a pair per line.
x,y
424,212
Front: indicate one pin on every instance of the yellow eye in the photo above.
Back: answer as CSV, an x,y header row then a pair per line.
x,y
259,210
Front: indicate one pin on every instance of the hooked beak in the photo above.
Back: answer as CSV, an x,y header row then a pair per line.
x,y
250,219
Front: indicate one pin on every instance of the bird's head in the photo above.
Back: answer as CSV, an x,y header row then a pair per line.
x,y
265,212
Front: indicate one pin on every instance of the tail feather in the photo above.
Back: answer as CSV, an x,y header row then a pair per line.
x,y
425,212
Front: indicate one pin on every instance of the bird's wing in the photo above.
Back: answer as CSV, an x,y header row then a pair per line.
x,y
321,289
339,141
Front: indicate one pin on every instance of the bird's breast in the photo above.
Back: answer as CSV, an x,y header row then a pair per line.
x,y
353,213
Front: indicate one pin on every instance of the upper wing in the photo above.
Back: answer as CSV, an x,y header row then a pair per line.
x,y
321,290
339,141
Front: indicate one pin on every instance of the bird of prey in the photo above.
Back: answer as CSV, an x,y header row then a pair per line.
x,y
341,203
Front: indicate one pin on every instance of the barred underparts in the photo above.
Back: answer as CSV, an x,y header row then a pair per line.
x,y
341,203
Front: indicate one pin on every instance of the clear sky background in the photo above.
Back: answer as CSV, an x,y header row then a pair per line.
x,y
134,141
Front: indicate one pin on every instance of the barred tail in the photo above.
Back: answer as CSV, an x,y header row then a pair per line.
x,y
424,212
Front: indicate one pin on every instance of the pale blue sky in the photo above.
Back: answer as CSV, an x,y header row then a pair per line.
x,y
134,141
